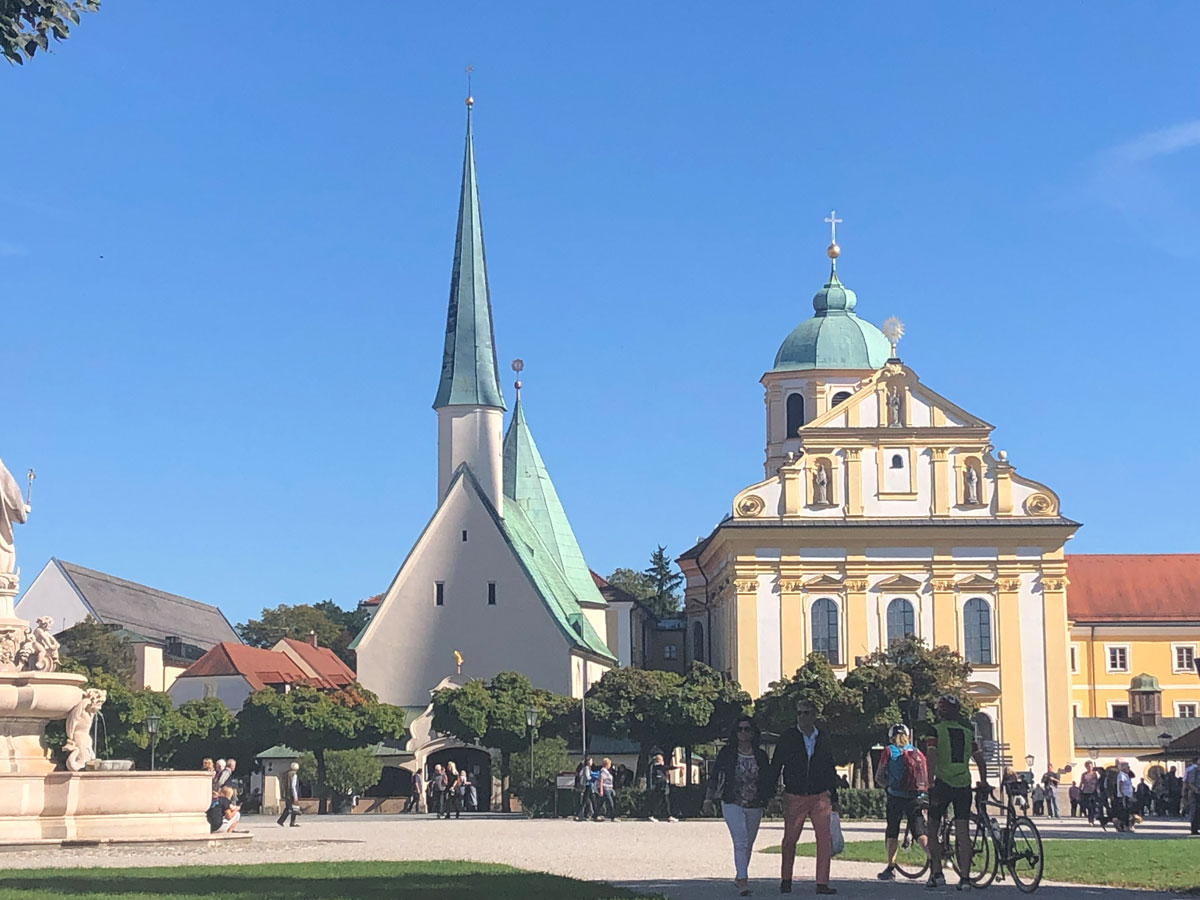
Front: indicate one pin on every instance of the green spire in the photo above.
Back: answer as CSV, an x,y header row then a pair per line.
x,y
528,484
469,373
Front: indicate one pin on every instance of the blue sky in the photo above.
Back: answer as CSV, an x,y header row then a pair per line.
x,y
226,252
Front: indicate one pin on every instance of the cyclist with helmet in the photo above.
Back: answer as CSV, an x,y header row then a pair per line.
x,y
905,797
950,748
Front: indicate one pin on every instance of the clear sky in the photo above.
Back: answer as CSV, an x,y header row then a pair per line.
x,y
227,233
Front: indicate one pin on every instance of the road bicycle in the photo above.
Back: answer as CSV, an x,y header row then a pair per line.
x,y
1015,846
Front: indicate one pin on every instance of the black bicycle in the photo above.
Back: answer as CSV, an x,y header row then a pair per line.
x,y
1015,847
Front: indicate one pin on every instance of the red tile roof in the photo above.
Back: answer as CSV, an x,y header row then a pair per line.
x,y
1116,587
262,668
327,664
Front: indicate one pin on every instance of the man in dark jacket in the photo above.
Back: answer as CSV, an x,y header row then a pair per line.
x,y
291,795
810,785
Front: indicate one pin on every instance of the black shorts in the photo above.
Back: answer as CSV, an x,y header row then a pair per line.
x,y
943,796
900,808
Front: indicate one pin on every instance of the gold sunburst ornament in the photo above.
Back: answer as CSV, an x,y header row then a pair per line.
x,y
893,330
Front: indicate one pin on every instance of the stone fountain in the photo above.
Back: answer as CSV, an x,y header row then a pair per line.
x,y
39,801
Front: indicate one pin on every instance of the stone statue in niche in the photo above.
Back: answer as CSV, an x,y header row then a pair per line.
x,y
895,412
971,483
820,485
78,746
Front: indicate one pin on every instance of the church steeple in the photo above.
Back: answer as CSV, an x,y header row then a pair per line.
x,y
469,404
469,373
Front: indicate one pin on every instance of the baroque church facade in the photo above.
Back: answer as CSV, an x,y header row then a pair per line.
x,y
496,579
885,512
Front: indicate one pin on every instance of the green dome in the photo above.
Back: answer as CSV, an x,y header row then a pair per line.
x,y
1145,683
834,338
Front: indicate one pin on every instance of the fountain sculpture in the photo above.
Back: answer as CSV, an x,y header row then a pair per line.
x,y
39,802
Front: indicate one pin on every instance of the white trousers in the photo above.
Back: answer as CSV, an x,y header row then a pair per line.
x,y
743,824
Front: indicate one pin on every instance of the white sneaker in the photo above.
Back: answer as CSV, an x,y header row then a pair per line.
x,y
672,819
652,819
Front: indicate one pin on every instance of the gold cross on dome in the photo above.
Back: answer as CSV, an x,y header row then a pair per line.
x,y
834,222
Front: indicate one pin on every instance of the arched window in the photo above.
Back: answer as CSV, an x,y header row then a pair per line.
x,y
977,631
825,629
841,397
897,461
795,413
698,642
901,621
985,731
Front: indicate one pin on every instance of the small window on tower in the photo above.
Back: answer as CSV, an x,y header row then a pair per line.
x,y
491,593
669,652
840,397
464,537
897,461
439,594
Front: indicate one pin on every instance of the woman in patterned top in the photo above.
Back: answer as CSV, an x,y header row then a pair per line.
x,y
741,779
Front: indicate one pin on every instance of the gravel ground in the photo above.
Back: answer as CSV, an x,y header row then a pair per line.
x,y
685,860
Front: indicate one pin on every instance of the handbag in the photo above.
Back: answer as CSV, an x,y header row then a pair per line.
x,y
837,841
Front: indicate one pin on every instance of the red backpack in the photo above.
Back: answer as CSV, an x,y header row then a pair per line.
x,y
916,773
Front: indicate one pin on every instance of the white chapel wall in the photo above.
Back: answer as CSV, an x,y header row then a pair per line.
x,y
51,594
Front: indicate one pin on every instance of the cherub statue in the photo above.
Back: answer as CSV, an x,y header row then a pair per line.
x,y
79,729
45,646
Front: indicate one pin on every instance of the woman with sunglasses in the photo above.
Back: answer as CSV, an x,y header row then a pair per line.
x,y
742,781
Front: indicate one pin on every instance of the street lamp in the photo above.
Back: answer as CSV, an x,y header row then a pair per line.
x,y
1029,758
1093,753
531,717
1164,741
152,729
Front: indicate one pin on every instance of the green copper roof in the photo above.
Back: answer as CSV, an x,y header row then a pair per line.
x,y
834,338
527,484
469,373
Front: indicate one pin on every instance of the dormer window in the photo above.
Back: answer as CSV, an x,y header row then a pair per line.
x,y
841,397
897,461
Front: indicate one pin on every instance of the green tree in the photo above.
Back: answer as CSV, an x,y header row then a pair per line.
x,y
712,704
492,714
351,621
354,771
305,718
335,627
664,600
646,706
838,706
90,648
26,26
199,728
549,758
638,584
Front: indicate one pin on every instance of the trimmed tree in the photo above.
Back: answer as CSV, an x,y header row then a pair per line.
x,y
90,648
305,718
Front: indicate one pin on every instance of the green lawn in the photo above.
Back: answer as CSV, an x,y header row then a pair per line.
x,y
1166,864
305,881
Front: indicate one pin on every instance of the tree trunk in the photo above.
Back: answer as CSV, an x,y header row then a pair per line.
x,y
687,762
322,794
505,800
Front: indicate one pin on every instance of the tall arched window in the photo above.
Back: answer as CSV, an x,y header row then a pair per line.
x,y
795,413
977,631
825,629
698,642
901,621
985,731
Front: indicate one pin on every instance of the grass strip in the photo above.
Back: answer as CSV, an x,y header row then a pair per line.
x,y
450,880
1164,864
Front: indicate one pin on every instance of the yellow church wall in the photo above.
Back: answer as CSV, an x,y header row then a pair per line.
x,y
1149,649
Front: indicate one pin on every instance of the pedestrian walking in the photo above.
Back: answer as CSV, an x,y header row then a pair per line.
x,y
438,786
1039,800
659,780
1089,791
741,780
1174,792
606,800
1191,787
454,791
470,793
810,786
416,790
903,773
1073,794
584,776
1124,804
290,791
1141,798
951,749
1050,788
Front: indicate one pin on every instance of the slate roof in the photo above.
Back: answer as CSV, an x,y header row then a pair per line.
x,y
1133,587
469,372
1117,734
147,611
528,484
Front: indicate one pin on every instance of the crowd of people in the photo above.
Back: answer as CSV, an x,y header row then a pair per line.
x,y
225,810
1108,796
451,791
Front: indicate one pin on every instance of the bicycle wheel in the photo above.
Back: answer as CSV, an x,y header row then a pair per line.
x,y
1023,855
911,859
983,867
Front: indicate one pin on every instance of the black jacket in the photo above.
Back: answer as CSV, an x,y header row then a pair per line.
x,y
724,776
802,775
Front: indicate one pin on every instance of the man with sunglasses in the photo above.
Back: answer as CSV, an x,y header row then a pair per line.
x,y
810,784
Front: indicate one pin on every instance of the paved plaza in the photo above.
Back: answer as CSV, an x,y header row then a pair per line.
x,y
686,860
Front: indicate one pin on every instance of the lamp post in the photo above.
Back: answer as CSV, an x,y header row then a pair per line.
x,y
1164,741
1093,753
1029,760
152,730
531,717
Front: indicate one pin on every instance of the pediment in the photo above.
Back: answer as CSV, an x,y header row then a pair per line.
x,y
823,581
899,583
975,583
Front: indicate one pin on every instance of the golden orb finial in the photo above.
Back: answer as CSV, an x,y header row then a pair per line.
x,y
470,102
833,251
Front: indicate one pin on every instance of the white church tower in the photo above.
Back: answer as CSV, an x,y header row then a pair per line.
x,y
469,404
